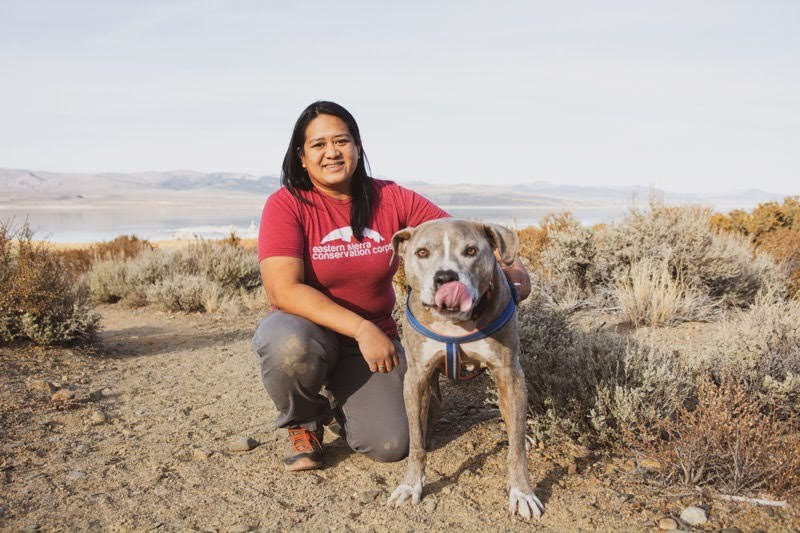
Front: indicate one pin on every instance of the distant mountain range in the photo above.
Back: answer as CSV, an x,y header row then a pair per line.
x,y
40,182
16,184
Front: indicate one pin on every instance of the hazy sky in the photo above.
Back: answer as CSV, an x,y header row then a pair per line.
x,y
684,95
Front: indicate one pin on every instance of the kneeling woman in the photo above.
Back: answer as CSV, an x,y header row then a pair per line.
x,y
325,248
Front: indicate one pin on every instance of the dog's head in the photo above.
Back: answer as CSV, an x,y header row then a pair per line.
x,y
450,262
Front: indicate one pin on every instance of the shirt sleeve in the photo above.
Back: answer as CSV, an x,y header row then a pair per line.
x,y
280,233
419,209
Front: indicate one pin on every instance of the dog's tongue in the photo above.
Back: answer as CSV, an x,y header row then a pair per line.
x,y
454,294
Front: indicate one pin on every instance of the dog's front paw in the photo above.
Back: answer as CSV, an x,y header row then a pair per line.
x,y
404,494
527,505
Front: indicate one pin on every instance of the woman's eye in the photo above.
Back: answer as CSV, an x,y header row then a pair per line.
x,y
470,251
342,141
422,252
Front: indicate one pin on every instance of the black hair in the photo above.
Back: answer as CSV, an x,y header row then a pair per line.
x,y
295,178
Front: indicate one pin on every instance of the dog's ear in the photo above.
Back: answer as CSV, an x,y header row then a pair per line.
x,y
399,242
504,240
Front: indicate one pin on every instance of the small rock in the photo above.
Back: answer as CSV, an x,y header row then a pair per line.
x,y
62,396
2,512
31,527
81,448
667,524
106,392
42,385
243,444
572,469
648,463
430,504
98,417
369,496
694,516
623,498
200,455
76,474
239,528
771,512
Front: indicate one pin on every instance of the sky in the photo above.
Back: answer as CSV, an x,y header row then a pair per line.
x,y
690,96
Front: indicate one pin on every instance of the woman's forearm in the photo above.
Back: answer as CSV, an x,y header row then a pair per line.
x,y
306,301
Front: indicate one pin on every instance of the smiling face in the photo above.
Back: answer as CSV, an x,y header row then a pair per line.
x,y
329,155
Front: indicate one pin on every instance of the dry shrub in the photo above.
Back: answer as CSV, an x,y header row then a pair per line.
x,y
533,240
760,347
39,300
188,293
649,295
731,440
569,258
230,266
399,280
107,281
79,261
171,279
587,386
784,245
772,227
255,300
723,267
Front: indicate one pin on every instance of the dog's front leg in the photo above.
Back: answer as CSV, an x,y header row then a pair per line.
x,y
416,394
513,397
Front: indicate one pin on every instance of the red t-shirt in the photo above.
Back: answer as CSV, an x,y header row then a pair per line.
x,y
356,275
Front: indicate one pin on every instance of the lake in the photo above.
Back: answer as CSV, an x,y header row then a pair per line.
x,y
77,224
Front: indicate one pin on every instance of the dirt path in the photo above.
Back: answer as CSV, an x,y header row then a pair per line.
x,y
144,444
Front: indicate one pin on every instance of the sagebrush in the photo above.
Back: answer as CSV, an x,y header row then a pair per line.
x,y
203,276
39,299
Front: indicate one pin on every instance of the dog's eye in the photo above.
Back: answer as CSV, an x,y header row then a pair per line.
x,y
470,251
422,252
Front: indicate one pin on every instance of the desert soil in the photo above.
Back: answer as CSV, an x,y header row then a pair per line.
x,y
145,443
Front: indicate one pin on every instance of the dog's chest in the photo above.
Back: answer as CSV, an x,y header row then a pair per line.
x,y
480,353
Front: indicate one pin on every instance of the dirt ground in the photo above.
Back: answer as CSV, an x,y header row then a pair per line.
x,y
144,443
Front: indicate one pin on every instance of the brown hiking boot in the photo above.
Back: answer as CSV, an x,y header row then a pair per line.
x,y
305,450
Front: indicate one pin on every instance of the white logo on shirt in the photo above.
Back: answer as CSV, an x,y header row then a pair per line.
x,y
329,249
345,234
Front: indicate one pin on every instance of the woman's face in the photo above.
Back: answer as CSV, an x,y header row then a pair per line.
x,y
330,155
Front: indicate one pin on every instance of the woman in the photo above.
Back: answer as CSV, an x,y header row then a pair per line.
x,y
325,253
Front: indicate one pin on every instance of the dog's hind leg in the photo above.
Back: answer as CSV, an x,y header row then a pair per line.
x,y
512,394
417,394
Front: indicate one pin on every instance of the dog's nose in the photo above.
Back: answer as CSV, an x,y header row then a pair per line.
x,y
444,276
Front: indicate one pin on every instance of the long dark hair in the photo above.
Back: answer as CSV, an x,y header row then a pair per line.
x,y
295,178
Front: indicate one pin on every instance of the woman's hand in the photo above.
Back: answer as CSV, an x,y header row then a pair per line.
x,y
376,347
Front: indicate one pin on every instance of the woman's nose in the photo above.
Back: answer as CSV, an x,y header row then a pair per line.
x,y
331,150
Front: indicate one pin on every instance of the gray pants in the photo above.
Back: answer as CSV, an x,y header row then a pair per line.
x,y
298,357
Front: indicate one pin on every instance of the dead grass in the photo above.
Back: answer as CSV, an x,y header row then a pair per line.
x,y
650,296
